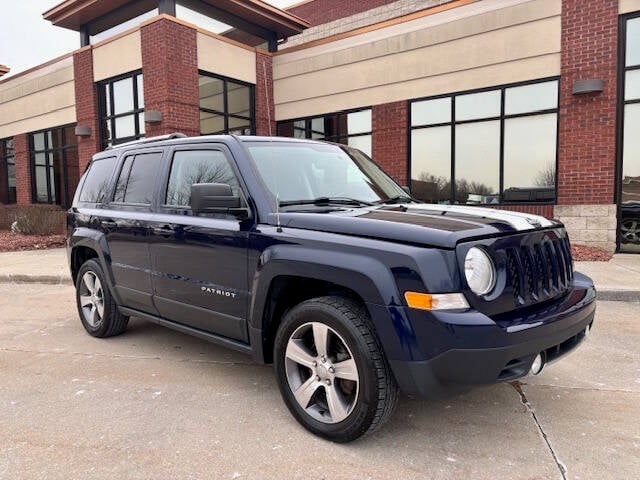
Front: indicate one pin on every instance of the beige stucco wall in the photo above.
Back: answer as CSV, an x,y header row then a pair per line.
x,y
482,44
37,100
627,6
115,57
223,58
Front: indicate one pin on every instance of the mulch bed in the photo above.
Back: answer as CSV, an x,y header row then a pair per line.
x,y
583,253
13,242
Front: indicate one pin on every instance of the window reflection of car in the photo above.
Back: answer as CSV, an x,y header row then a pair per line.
x,y
630,223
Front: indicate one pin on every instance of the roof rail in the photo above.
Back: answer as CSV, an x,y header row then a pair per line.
x,y
142,141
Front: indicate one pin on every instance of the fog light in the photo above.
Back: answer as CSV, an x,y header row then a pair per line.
x,y
537,365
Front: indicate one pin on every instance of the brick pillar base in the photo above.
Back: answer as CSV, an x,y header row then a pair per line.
x,y
23,169
170,69
389,146
265,114
86,113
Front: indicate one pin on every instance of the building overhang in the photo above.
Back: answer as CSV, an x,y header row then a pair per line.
x,y
255,16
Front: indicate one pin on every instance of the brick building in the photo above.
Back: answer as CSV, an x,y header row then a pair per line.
x,y
531,105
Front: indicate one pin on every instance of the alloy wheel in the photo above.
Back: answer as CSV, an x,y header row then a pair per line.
x,y
92,299
322,372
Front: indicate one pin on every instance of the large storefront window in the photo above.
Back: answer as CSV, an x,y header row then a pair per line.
x,y
351,128
486,147
7,172
630,151
54,160
122,109
226,106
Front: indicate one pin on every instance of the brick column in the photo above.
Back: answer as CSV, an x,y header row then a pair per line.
x,y
170,69
587,141
23,168
265,114
87,113
389,146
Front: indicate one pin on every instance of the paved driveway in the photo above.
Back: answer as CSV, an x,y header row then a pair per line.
x,y
157,404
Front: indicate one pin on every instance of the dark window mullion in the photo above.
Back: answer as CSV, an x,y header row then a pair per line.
x,y
452,155
502,121
225,100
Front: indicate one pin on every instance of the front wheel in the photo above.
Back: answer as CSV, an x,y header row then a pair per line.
x,y
331,369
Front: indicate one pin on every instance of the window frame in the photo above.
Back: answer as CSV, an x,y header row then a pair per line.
x,y
502,118
225,98
623,21
62,198
104,88
333,138
4,166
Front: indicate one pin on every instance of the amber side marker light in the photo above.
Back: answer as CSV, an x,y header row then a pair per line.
x,y
436,301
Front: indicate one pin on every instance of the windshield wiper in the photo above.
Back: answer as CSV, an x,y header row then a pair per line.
x,y
396,199
325,201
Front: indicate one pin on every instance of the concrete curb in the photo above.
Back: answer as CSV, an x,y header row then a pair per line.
x,y
43,279
618,295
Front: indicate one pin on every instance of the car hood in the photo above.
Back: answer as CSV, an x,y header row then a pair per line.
x,y
422,224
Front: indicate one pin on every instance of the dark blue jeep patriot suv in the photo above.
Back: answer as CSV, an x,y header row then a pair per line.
x,y
307,255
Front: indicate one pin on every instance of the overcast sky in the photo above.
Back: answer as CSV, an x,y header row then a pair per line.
x,y
26,40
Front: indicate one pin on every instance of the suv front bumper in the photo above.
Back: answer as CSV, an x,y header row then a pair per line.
x,y
452,351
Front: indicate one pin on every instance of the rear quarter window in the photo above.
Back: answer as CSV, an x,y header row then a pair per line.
x,y
96,183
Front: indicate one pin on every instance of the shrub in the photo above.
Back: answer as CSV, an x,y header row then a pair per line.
x,y
33,219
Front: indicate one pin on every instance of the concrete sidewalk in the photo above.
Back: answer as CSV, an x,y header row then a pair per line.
x,y
618,279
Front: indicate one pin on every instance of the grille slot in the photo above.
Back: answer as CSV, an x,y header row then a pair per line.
x,y
540,271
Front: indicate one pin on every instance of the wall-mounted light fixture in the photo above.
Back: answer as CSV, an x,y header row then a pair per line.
x,y
593,85
152,116
83,131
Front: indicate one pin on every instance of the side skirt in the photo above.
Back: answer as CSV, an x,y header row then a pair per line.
x,y
209,337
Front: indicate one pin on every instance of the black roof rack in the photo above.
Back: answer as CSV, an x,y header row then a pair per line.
x,y
142,141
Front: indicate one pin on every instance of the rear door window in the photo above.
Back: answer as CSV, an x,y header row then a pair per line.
x,y
96,183
137,179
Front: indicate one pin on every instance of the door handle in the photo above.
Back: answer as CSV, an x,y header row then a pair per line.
x,y
108,224
164,231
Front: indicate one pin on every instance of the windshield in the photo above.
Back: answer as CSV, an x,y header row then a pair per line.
x,y
308,172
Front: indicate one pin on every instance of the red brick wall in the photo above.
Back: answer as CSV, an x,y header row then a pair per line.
x,y
544,210
170,69
264,109
23,168
588,122
389,145
86,113
318,12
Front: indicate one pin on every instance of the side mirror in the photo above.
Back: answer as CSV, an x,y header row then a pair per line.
x,y
214,198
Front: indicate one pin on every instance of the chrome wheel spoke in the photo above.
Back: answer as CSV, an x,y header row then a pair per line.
x,y
89,281
305,391
337,407
93,316
100,308
346,370
297,352
320,338
85,300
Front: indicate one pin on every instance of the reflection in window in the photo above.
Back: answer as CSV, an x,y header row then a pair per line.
x,y
137,179
459,160
122,109
189,12
96,183
349,128
629,214
7,172
54,159
189,167
226,106
121,27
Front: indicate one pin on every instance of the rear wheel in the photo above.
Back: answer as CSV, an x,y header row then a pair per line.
x,y
97,309
331,369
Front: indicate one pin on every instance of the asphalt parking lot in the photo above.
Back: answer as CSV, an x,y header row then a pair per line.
x,y
156,404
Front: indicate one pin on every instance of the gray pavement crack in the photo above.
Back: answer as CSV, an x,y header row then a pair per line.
x,y
523,398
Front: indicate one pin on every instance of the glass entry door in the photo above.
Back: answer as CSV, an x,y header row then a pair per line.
x,y
629,206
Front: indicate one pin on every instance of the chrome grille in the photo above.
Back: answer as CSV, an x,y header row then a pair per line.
x,y
540,271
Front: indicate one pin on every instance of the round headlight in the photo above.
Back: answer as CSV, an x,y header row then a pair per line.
x,y
479,271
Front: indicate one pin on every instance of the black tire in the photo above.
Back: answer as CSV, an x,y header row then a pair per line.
x,y
377,391
112,321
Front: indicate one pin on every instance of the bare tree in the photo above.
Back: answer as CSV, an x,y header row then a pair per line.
x,y
547,176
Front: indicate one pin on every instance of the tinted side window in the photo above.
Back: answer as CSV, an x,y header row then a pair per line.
x,y
96,182
197,166
137,178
